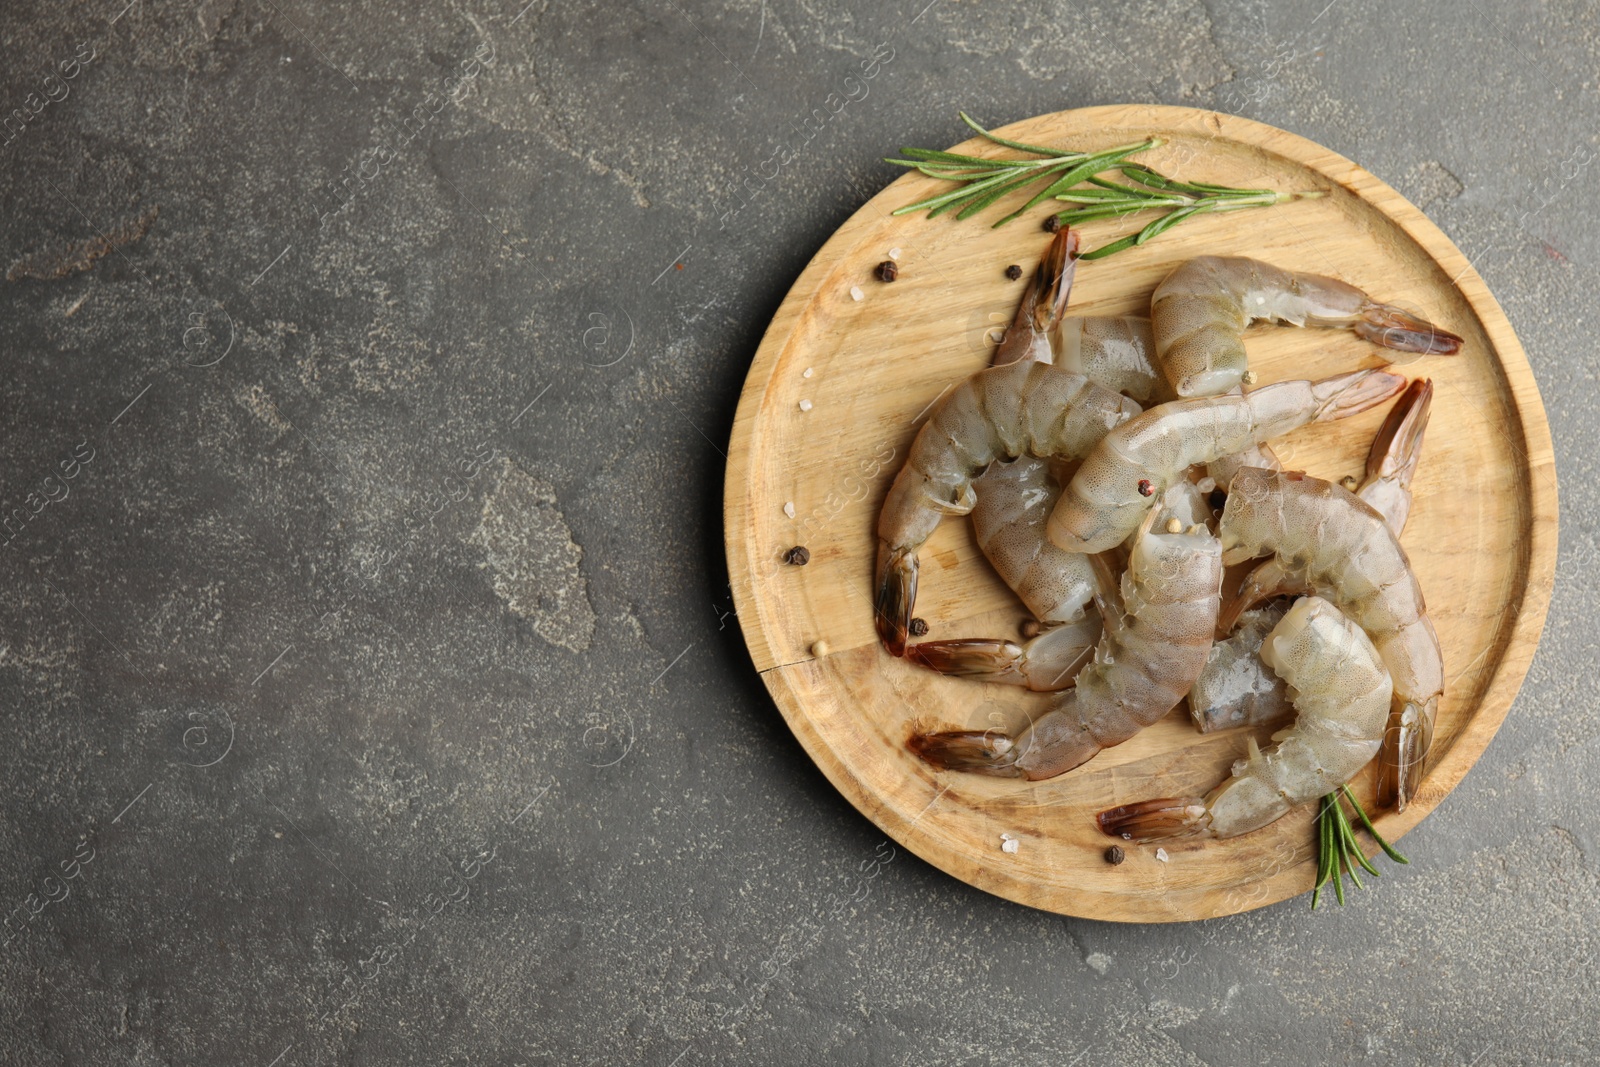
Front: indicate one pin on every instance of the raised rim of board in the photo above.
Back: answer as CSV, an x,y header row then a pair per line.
x,y
743,552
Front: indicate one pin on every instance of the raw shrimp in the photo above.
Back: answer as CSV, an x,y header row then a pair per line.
x,y
1057,586
1131,468
1199,313
1341,697
1236,688
1329,542
999,413
1158,623
1014,500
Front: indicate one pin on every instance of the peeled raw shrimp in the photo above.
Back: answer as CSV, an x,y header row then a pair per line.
x,y
1015,497
1132,467
1014,500
1236,688
1157,632
1329,542
1341,697
1199,313
999,413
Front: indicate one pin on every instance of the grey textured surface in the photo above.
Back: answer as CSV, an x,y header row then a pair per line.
x,y
373,695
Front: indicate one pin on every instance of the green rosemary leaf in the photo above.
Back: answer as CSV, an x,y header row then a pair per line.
x,y
1119,245
943,167
1325,859
1361,813
929,155
1084,196
1124,190
1016,144
1352,846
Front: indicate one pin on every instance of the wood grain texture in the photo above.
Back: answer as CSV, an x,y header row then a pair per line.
x,y
1482,536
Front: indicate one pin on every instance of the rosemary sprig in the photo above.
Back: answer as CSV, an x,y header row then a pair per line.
x,y
1338,851
986,180
1153,190
983,181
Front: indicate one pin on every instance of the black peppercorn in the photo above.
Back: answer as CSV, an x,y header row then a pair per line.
x,y
919,627
887,271
1052,224
799,556
1115,855
1145,488
1217,499
1013,272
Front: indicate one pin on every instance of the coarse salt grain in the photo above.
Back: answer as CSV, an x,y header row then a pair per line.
x,y
788,509
1161,854
894,253
856,293
1009,843
805,405
806,373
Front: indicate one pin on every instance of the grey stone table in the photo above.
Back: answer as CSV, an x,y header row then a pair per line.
x,y
371,689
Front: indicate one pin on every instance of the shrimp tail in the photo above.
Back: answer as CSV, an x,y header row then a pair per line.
x,y
1392,327
1044,304
1052,285
978,752
1349,394
991,660
1268,581
1151,820
1398,445
1405,753
897,593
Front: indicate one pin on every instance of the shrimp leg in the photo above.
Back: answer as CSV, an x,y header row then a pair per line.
x,y
1341,698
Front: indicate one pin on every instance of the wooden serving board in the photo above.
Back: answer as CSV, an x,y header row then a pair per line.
x,y
1482,536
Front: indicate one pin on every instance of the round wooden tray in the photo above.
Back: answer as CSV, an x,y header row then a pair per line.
x,y
1482,536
